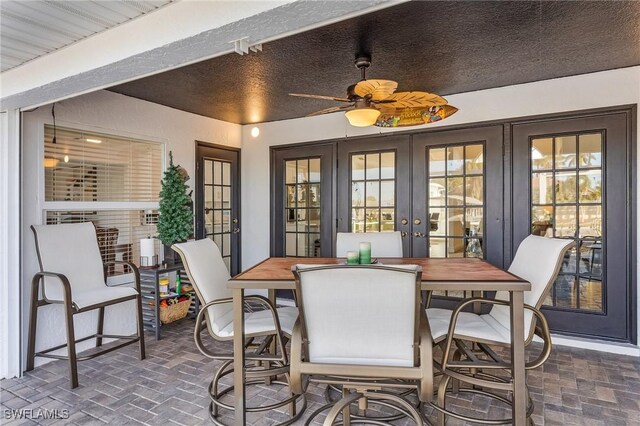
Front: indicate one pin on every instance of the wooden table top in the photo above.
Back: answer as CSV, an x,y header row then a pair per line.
x,y
437,274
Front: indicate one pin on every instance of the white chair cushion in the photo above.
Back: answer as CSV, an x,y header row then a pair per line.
x,y
537,261
469,326
360,316
70,249
260,322
209,276
82,299
383,244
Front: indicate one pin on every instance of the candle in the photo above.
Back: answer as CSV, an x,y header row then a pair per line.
x,y
365,253
352,258
147,252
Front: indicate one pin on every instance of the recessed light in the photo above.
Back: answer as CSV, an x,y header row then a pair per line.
x,y
93,140
255,132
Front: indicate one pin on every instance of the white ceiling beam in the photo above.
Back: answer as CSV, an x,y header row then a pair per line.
x,y
174,36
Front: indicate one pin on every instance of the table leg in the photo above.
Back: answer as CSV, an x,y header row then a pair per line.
x,y
517,359
238,356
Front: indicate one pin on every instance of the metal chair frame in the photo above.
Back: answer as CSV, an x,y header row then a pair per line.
x,y
267,360
467,364
70,309
364,383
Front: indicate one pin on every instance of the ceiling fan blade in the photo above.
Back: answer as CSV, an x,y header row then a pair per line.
x,y
413,100
327,98
403,117
377,89
330,110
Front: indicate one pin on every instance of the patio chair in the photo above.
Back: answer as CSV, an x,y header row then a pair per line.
x,y
383,244
352,334
208,274
72,274
538,261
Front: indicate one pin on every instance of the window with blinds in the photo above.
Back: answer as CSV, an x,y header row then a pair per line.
x,y
87,178
93,167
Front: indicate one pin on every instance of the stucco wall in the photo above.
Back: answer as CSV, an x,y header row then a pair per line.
x,y
108,113
596,90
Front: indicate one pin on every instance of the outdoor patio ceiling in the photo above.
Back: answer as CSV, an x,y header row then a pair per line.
x,y
443,47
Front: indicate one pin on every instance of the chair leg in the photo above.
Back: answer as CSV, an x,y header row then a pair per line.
x,y
33,320
140,328
100,327
346,411
71,344
442,395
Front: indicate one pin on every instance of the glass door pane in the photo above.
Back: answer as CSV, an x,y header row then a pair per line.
x,y
373,195
303,183
455,202
301,202
566,202
373,186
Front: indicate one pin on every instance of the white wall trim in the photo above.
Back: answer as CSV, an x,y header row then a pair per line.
x,y
10,201
596,345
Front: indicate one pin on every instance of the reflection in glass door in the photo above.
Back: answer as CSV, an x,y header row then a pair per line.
x,y
566,200
302,210
373,192
217,205
455,205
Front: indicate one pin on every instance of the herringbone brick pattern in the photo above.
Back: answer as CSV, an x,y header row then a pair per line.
x,y
170,387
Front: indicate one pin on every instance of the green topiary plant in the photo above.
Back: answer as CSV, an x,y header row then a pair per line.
x,y
175,222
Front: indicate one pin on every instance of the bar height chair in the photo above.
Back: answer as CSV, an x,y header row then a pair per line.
x,y
351,333
467,338
72,274
383,244
209,276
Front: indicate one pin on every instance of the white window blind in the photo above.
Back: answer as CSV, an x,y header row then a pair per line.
x,y
111,181
93,167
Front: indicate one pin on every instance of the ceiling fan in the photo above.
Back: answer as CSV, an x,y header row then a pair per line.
x,y
373,102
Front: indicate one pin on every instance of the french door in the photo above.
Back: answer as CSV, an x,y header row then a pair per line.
x,y
435,188
303,203
573,182
217,201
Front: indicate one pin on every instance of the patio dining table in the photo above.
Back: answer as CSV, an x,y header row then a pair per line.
x,y
453,274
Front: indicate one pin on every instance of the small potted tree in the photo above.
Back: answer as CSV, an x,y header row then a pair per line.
x,y
175,222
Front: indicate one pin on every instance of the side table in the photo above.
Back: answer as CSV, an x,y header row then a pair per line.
x,y
150,288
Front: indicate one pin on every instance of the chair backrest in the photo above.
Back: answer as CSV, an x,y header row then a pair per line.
x,y
383,244
361,315
70,249
538,261
209,276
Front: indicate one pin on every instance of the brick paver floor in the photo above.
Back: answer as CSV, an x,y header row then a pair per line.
x,y
170,387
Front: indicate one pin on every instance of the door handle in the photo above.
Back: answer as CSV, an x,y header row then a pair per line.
x,y
418,234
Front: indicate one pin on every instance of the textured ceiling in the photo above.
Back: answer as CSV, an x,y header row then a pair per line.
x,y
34,28
442,47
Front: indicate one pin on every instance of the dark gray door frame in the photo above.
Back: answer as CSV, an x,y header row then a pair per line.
x,y
232,155
618,321
326,153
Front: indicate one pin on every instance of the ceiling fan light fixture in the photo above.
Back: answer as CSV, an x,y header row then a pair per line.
x,y
50,163
362,117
